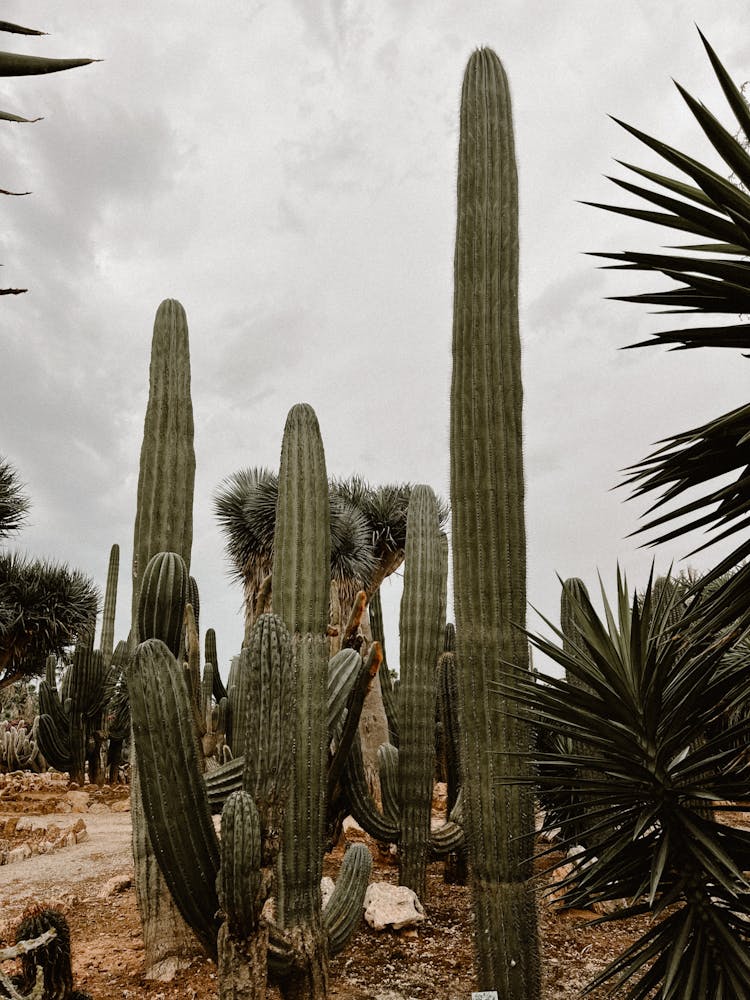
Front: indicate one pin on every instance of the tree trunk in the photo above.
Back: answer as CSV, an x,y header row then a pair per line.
x,y
373,723
308,979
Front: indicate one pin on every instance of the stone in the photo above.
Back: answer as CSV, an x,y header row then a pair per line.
x,y
327,886
393,906
115,885
353,832
79,801
20,853
122,806
98,807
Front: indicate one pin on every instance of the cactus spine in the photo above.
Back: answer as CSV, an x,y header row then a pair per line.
x,y
489,543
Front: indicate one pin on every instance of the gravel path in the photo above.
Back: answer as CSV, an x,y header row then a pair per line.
x,y
103,855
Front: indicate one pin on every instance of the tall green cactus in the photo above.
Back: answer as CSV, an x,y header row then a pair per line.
x,y
164,512
163,523
407,775
301,583
107,640
489,540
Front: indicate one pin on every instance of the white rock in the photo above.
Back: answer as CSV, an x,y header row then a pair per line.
x,y
393,906
327,886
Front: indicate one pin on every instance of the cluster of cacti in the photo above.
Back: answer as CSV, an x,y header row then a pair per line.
x,y
407,773
283,715
489,544
73,722
19,748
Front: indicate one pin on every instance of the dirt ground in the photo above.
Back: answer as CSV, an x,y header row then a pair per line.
x,y
91,882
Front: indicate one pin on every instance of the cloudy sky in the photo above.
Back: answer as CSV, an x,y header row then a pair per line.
x,y
287,171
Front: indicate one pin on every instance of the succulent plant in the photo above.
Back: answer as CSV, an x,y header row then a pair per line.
x,y
407,774
488,532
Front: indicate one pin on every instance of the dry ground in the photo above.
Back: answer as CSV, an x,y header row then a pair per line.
x,y
434,961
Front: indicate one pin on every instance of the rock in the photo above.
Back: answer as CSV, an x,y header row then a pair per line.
x,y
79,801
327,886
353,832
123,806
98,807
394,906
20,853
117,884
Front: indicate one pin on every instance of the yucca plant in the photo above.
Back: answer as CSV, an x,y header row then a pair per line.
x,y
14,503
712,277
648,771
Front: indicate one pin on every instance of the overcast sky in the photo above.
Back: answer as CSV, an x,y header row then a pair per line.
x,y
287,171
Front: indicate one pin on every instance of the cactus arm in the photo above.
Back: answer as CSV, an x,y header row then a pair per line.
x,y
211,656
488,533
343,669
388,769
375,610
343,913
367,670
223,781
174,795
361,806
54,743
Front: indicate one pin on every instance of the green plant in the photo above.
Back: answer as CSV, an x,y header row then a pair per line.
x,y
174,792
407,774
163,524
690,471
44,608
488,532
648,780
47,930
14,503
16,64
71,721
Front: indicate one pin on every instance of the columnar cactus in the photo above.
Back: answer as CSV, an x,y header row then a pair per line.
x,y
175,797
489,541
301,584
107,640
164,512
163,523
407,774
19,749
72,721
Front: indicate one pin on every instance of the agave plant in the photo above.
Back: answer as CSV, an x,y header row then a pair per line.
x,y
648,771
712,277
18,64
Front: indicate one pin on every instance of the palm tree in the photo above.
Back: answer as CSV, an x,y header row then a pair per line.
x,y
648,766
712,277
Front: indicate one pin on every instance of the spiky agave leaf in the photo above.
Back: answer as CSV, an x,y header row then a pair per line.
x,y
47,607
13,500
649,764
712,277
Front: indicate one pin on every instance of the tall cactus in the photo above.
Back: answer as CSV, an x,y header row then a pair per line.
x,y
489,541
107,641
163,523
301,583
407,774
164,512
